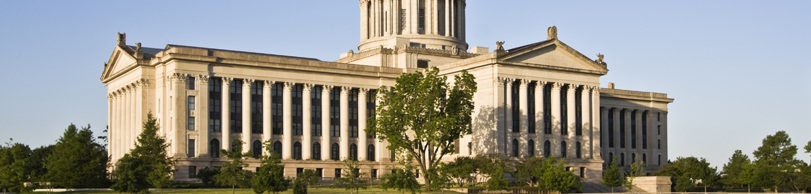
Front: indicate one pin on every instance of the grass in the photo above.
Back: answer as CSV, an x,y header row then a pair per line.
x,y
249,191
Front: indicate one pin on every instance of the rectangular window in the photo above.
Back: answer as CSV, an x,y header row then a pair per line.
x,y
582,172
645,130
276,108
660,160
516,114
417,172
659,144
337,173
190,83
531,107
296,110
299,171
256,107
564,111
191,152
334,131
190,107
316,130
319,172
421,19
578,109
633,129
610,128
215,105
190,125
190,102
622,128
422,63
235,104
192,172
374,173
547,110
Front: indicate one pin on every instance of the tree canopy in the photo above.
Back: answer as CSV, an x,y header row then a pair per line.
x,y
689,172
232,172
77,160
776,167
734,172
612,176
351,177
270,175
148,163
402,179
15,167
422,115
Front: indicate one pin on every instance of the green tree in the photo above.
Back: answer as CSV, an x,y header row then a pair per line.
x,y
15,167
441,178
206,175
733,169
299,186
422,115
529,171
351,177
775,162
496,172
401,179
149,157
708,175
637,170
77,160
231,172
688,172
555,177
39,158
746,176
612,177
460,169
304,180
808,147
270,176
131,175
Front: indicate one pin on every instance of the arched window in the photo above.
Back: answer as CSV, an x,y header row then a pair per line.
x,y
214,148
531,148
622,159
547,148
515,148
334,151
257,149
370,152
277,147
577,149
563,149
297,151
353,152
316,151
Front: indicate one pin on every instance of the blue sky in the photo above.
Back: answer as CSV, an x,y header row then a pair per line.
x,y
737,69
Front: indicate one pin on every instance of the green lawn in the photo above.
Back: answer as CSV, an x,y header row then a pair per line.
x,y
248,191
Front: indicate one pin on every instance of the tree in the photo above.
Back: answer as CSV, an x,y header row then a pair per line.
x,y
637,170
808,147
746,176
351,177
39,158
305,179
206,175
555,177
708,175
299,186
441,178
422,115
77,160
401,179
149,158
497,180
270,176
775,162
733,169
529,170
612,177
688,172
231,172
460,169
15,167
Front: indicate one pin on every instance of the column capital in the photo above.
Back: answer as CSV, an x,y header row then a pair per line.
x,y
540,84
269,84
202,79
142,82
524,83
573,87
504,80
557,85
363,91
308,88
345,89
178,77
326,89
247,82
226,81
288,86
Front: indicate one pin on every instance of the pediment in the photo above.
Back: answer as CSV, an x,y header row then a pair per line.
x,y
119,61
553,53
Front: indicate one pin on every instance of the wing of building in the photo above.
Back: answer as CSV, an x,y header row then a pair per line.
x,y
540,99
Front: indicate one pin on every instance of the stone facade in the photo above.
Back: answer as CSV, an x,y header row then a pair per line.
x,y
539,99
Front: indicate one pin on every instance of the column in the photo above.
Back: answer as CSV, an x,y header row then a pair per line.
x,y
462,27
179,106
344,151
587,138
555,101
447,17
139,96
539,120
651,139
362,149
627,117
453,18
226,113
111,128
596,127
128,119
325,122
501,129
364,21
375,18
287,121
395,18
571,118
434,17
202,115
523,116
639,135
616,139
267,114
246,115
604,127
415,10
508,116
121,123
429,17
306,121
664,135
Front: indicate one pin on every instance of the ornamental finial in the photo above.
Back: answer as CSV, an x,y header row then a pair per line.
x,y
552,33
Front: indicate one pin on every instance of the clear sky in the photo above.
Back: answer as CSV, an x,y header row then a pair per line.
x,y
737,69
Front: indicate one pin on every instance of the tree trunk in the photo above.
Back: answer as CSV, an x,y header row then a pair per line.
x,y
233,189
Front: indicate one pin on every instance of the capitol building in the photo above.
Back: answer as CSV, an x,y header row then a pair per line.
x,y
540,99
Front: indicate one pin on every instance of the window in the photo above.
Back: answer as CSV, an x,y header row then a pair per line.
x,y
316,129
316,151
547,110
582,172
645,130
622,128
235,104
337,173
190,126
469,148
353,112
190,107
644,158
577,150
296,91
191,151
610,158
374,173
547,150
515,148
421,21
456,147
190,83
531,107
659,144
516,114
417,173
257,107
633,129
531,148
319,172
633,158
299,171
334,131
192,172
660,160
277,109
334,152
564,111
277,147
370,152
297,151
215,105
578,112
422,63
622,159
611,128
257,149
563,149
353,152
214,148
315,120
